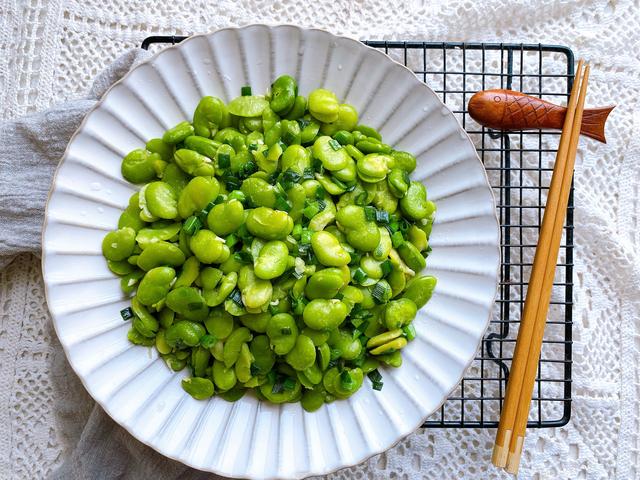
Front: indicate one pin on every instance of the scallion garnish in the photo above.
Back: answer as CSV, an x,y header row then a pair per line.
x,y
126,314
333,143
236,297
224,160
282,203
409,331
305,236
359,275
243,257
382,216
370,213
245,91
288,138
397,239
381,291
386,267
289,384
208,341
192,225
308,174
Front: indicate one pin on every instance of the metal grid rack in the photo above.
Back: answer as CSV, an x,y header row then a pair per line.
x,y
519,167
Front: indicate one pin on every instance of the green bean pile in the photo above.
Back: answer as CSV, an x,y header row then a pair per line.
x,y
274,245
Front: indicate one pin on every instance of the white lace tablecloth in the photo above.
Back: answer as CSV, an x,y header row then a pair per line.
x,y
50,51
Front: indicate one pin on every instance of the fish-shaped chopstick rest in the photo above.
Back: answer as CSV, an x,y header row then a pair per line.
x,y
509,110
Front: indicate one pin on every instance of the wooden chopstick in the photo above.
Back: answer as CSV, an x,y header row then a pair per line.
x,y
520,424
510,435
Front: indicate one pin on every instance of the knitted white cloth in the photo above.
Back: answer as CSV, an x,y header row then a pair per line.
x,y
50,52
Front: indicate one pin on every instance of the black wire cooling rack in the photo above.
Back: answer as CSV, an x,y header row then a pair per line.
x,y
519,166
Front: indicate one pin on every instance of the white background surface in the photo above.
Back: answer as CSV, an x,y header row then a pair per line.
x,y
49,51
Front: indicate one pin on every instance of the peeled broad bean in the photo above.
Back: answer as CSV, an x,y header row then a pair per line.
x,y
155,285
414,204
119,244
269,224
420,289
226,217
321,314
272,260
323,105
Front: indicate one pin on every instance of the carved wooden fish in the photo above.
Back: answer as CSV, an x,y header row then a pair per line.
x,y
508,110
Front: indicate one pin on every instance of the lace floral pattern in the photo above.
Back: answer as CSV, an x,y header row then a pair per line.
x,y
52,50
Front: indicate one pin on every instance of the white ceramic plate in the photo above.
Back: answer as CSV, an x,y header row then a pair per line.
x,y
250,438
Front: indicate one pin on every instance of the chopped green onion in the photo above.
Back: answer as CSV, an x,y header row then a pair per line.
x,y
273,309
320,193
403,225
255,370
288,138
386,267
374,375
360,329
370,213
236,296
321,204
377,386
392,227
359,275
285,331
311,210
317,166
231,240
282,203
194,306
126,314
303,122
253,147
278,387
333,143
429,249
305,237
208,341
361,199
381,291
397,239
382,216
243,233
351,187
343,137
297,305
297,231
292,175
355,258
289,384
207,209
338,296
409,331
245,91
224,160
243,257
339,183
249,168
335,353
237,195
283,147
308,174
231,182
192,225
346,381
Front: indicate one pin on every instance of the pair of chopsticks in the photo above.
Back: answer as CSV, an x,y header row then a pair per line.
x,y
515,409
